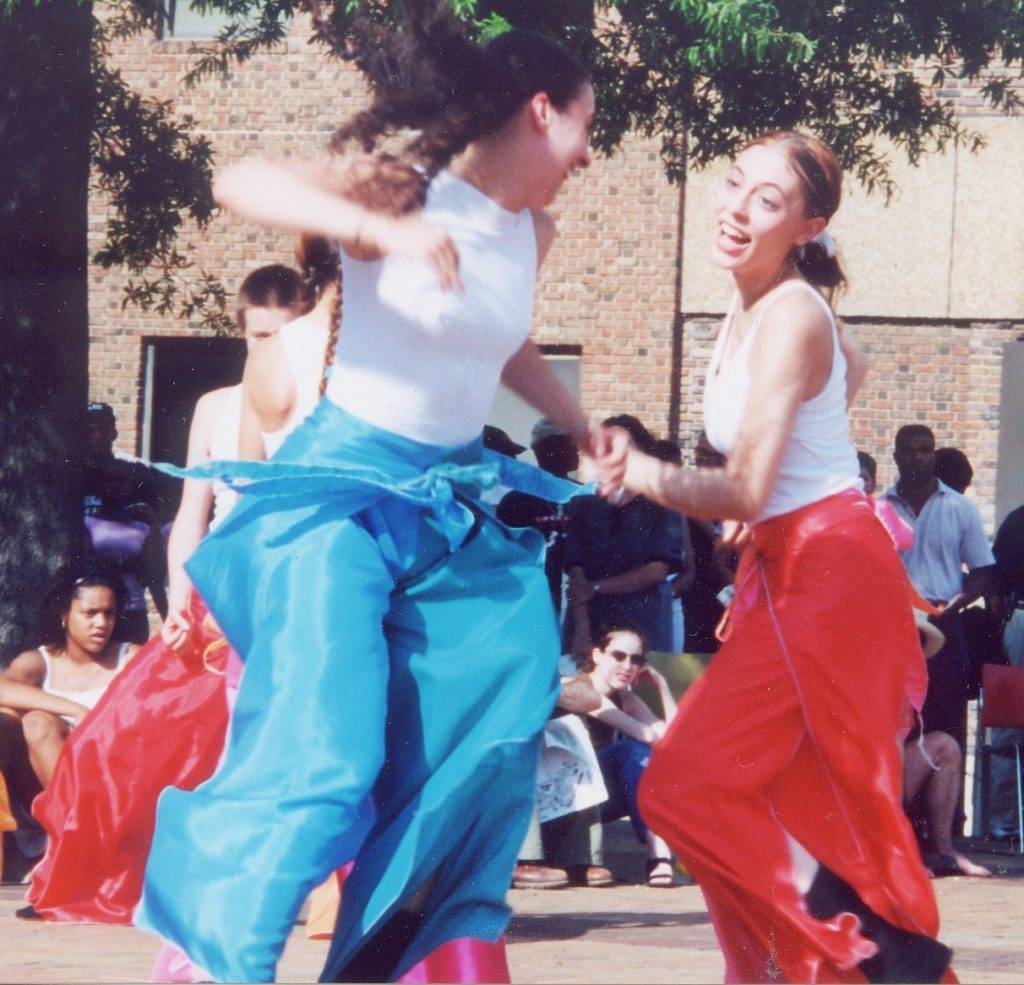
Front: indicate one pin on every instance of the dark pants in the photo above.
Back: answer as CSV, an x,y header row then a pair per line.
x,y
622,765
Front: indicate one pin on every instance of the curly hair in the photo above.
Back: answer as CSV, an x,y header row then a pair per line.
x,y
439,91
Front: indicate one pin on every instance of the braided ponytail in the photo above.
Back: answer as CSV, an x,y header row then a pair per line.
x,y
333,332
320,262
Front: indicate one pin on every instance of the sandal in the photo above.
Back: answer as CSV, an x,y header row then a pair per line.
x,y
660,880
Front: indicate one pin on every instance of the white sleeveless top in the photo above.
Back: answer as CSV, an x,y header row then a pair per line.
x,y
820,459
88,698
425,363
304,343
224,447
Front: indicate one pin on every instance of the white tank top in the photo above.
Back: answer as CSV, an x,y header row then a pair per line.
x,y
304,343
820,459
88,698
224,447
425,363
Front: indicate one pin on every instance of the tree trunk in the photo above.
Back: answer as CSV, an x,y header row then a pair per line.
x,y
46,110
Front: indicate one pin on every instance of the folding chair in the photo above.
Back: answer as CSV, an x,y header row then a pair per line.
x,y
1002,706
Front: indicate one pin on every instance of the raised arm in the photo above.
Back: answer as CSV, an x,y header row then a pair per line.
x,y
316,196
793,356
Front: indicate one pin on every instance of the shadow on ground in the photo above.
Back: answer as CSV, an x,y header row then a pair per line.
x,y
568,926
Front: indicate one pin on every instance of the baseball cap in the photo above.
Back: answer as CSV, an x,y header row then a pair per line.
x,y
497,440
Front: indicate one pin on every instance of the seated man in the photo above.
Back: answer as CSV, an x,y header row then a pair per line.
x,y
931,769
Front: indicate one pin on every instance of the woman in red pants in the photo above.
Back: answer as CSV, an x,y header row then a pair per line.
x,y
786,749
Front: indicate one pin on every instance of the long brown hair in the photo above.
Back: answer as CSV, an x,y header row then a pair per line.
x,y
821,178
432,81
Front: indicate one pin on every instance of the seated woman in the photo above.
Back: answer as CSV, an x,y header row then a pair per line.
x,y
53,687
623,731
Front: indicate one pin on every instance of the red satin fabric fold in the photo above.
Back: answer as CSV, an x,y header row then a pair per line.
x,y
160,723
793,728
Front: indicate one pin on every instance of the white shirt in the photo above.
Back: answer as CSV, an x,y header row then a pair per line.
x,y
820,459
948,534
422,362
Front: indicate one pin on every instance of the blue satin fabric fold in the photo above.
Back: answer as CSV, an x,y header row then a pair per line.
x,y
400,650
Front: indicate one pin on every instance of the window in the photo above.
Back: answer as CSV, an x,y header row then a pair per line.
x,y
181,22
176,373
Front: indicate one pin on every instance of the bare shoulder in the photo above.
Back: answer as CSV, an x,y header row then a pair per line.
x,y
798,317
546,229
27,667
213,402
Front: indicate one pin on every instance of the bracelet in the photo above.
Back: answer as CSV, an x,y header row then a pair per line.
x,y
595,587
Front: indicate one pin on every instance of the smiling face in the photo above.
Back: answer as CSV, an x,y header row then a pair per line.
x,y
91,618
761,213
564,144
618,663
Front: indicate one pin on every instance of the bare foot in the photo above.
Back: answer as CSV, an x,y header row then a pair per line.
x,y
969,868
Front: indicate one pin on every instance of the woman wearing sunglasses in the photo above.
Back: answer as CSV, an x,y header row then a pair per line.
x,y
623,730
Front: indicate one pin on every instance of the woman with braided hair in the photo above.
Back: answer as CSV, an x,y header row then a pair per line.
x,y
361,560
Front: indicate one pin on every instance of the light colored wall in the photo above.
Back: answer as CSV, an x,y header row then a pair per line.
x,y
948,244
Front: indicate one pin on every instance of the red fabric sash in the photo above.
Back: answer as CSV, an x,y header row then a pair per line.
x,y
160,723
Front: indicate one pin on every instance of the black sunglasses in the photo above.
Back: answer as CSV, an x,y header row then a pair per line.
x,y
636,659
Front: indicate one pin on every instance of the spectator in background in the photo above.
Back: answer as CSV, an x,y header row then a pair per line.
x,y
900,531
933,770
566,850
680,583
44,693
123,513
113,483
1008,604
953,468
619,556
50,689
948,536
713,568
556,453
623,730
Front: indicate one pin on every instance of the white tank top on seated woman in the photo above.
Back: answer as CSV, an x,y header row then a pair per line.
x,y
92,695
820,460
422,362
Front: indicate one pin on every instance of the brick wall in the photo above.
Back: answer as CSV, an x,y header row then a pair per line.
x,y
609,287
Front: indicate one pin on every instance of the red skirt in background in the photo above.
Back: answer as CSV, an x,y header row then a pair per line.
x,y
793,730
161,723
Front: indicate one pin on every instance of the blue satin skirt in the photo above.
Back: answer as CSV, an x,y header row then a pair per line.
x,y
400,663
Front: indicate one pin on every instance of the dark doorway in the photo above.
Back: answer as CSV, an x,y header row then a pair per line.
x,y
177,372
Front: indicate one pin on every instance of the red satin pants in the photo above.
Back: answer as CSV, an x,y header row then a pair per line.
x,y
793,729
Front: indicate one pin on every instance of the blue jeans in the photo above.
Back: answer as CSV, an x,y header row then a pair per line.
x,y
622,764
